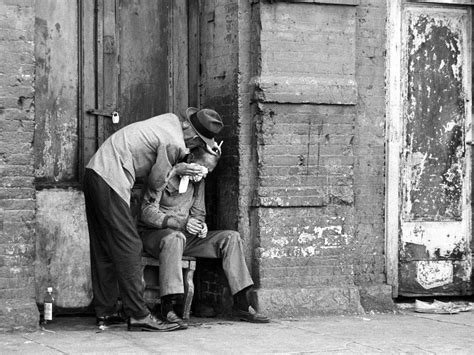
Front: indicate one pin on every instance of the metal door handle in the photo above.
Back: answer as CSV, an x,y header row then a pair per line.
x,y
114,114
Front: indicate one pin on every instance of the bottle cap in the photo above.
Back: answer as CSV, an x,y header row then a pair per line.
x,y
49,289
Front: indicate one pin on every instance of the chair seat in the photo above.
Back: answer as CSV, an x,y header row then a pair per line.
x,y
189,262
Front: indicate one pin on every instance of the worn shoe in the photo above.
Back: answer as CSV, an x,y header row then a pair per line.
x,y
250,315
456,306
108,320
435,307
172,317
150,324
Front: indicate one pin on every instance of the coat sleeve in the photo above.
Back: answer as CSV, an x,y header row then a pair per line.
x,y
166,157
198,209
150,213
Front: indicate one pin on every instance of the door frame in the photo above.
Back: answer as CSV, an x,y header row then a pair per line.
x,y
394,130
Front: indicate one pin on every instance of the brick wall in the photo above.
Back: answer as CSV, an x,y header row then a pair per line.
x,y
303,174
320,129
369,150
17,194
249,66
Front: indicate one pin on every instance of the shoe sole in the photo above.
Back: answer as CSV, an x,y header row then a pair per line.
x,y
180,323
177,320
145,329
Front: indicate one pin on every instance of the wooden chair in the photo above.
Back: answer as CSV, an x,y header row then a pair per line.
x,y
150,267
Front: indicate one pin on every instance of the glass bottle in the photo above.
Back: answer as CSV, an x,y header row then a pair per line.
x,y
48,305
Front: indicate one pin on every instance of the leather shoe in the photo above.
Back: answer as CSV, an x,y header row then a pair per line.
x,y
150,324
108,320
172,317
250,316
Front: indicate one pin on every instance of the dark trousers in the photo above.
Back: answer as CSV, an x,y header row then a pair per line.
x,y
115,248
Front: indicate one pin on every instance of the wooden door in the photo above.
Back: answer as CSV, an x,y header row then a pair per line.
x,y
134,62
435,160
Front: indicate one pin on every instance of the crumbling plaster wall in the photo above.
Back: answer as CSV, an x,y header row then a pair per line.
x,y
62,242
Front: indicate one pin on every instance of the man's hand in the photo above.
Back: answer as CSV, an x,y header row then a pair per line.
x,y
182,169
193,226
203,233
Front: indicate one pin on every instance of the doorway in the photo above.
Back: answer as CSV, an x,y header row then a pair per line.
x,y
138,59
428,211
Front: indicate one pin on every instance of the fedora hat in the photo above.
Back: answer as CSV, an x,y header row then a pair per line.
x,y
206,122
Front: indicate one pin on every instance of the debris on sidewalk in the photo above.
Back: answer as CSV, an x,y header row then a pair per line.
x,y
440,307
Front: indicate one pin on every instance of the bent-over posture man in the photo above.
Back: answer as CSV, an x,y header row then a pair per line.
x,y
151,148
174,225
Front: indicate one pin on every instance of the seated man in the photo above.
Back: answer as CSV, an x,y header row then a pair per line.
x,y
174,225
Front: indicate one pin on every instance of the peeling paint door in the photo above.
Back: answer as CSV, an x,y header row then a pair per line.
x,y
435,206
135,63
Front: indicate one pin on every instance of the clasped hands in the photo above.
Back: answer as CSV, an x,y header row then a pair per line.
x,y
196,227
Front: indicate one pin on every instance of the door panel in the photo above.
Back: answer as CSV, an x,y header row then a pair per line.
x,y
135,55
144,67
435,220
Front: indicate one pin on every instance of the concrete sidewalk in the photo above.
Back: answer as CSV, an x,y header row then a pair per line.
x,y
407,332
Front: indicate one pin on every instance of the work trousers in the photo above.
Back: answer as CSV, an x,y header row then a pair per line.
x,y
115,249
168,246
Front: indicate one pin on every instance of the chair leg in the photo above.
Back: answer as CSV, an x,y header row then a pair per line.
x,y
188,292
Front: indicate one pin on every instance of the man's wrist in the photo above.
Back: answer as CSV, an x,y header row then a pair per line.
x,y
171,222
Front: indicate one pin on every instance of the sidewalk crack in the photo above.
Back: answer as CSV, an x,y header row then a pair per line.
x,y
444,321
45,345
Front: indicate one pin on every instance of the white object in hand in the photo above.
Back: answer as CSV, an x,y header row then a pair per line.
x,y
183,184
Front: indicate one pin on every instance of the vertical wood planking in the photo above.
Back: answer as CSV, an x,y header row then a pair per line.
x,y
179,56
88,91
110,67
193,52
99,63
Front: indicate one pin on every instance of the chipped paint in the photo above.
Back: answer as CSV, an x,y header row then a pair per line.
x,y
331,237
59,140
431,274
440,240
281,242
56,130
307,244
434,147
434,250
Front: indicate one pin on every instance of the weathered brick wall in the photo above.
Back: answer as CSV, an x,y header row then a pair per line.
x,y
320,197
369,150
249,65
303,177
17,194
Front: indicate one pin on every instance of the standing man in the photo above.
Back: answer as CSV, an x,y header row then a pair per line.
x,y
174,225
151,149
